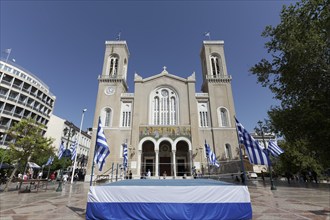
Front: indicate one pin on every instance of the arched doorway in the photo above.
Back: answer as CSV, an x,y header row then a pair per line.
x,y
148,158
183,159
165,158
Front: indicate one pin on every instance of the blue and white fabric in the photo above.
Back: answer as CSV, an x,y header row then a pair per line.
x,y
256,153
61,150
274,149
49,161
125,160
211,156
184,201
101,147
73,149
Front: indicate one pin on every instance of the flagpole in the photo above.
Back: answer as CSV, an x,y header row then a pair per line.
x,y
240,153
272,185
77,146
93,163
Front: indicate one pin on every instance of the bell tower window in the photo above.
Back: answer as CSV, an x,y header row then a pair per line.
x,y
113,70
216,66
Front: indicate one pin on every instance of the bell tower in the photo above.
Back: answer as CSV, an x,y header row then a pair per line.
x,y
217,84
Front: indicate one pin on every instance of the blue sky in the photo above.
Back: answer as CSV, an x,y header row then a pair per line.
x,y
62,42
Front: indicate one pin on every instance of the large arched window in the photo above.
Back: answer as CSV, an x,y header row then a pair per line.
x,y
228,151
216,65
223,117
164,108
113,65
106,117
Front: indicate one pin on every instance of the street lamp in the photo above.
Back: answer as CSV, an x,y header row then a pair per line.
x,y
77,147
272,186
67,153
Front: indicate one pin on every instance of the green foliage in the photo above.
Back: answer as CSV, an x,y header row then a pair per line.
x,y
29,143
297,158
298,75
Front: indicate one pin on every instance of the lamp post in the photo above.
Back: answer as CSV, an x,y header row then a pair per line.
x,y
272,186
66,153
77,147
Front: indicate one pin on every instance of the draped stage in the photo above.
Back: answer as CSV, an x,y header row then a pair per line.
x,y
169,199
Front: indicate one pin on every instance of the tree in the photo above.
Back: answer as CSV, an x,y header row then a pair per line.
x,y
298,75
28,144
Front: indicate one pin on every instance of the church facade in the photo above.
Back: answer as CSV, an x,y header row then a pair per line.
x,y
165,122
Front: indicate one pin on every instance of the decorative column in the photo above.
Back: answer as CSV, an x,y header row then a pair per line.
x,y
138,168
157,163
174,163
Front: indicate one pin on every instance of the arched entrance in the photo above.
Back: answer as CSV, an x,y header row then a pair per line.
x,y
183,162
148,158
165,158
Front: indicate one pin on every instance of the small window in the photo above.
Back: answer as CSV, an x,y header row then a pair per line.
x,y
228,151
224,119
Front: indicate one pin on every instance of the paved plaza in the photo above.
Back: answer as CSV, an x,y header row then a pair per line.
x,y
294,201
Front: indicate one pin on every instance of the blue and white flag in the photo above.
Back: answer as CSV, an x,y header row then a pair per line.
x,y
255,152
49,161
61,151
73,149
274,149
101,147
211,156
125,156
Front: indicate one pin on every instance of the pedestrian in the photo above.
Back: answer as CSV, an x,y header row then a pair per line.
x,y
243,178
164,175
40,175
262,176
148,174
130,174
314,174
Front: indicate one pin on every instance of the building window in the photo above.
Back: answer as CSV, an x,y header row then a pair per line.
x,y
126,114
216,65
203,115
228,151
107,117
223,117
113,65
164,107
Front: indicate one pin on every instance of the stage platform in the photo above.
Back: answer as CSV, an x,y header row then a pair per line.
x,y
169,199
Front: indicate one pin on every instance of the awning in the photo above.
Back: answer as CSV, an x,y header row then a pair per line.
x,y
33,165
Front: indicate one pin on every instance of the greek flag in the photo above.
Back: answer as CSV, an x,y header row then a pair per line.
x,y
255,152
125,156
211,156
61,151
101,147
49,161
274,149
73,149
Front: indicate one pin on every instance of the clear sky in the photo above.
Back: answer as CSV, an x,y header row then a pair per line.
x,y
63,43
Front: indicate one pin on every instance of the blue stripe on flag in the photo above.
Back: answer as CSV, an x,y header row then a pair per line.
x,y
211,156
274,149
61,150
256,153
101,147
125,156
74,149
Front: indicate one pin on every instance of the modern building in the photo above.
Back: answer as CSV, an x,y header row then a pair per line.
x,y
63,131
22,95
165,122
